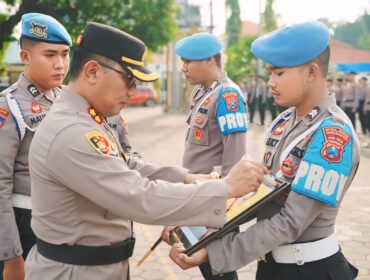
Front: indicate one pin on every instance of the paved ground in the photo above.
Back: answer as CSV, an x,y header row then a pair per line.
x,y
159,137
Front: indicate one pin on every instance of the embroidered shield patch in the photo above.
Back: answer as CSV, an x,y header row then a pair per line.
x,y
99,142
335,141
231,99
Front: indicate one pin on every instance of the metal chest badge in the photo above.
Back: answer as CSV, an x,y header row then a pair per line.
x,y
39,29
335,141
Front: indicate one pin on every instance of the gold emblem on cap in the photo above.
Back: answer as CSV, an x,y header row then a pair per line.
x,y
132,61
39,29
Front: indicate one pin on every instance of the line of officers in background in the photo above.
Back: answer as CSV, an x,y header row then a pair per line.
x,y
352,95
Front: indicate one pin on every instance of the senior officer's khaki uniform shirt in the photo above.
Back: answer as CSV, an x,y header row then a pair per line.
x,y
205,145
115,124
293,217
14,173
83,192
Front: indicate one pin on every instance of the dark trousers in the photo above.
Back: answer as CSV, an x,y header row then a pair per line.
x,y
368,121
272,106
28,238
335,267
252,107
362,116
261,109
351,115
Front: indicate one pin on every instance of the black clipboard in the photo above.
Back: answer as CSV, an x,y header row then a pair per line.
x,y
236,221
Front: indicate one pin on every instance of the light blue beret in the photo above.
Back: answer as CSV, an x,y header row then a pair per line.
x,y
199,46
44,28
293,45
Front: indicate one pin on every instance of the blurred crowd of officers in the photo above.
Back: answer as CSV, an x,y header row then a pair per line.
x,y
352,94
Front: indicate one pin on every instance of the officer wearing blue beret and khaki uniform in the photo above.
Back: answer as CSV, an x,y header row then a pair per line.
x,y
86,191
44,51
313,146
217,122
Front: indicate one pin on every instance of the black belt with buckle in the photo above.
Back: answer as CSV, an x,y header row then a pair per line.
x,y
87,255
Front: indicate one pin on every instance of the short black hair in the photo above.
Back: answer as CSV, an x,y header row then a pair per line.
x,y
323,61
217,58
80,58
340,80
329,80
26,43
364,78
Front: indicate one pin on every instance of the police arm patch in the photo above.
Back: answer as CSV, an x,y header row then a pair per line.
x,y
99,142
327,163
231,112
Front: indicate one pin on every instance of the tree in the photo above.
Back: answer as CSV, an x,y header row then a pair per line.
x,y
356,33
269,18
153,21
240,60
233,23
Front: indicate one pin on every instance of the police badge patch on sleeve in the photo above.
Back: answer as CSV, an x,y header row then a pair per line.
x,y
101,143
327,163
231,112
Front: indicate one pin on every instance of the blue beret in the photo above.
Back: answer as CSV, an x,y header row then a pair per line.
x,y
199,46
44,28
293,45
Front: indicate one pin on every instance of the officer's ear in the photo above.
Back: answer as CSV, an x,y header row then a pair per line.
x,y
313,70
25,57
91,71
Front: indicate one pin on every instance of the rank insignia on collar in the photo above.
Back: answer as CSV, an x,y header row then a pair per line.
x,y
33,90
91,111
313,113
335,141
99,142
278,129
287,167
198,134
36,108
231,99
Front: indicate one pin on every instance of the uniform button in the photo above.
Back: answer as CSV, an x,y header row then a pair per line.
x,y
218,211
300,262
5,255
297,249
18,251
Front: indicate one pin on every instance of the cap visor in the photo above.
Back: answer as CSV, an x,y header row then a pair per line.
x,y
142,73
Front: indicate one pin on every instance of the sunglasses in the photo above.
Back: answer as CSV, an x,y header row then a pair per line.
x,y
131,79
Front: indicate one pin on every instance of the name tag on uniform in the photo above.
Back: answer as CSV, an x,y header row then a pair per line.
x,y
327,163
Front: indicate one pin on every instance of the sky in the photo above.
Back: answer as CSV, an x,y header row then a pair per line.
x,y
288,11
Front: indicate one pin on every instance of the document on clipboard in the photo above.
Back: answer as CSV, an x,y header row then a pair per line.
x,y
243,210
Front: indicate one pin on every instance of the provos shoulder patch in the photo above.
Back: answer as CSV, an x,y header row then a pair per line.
x,y
100,143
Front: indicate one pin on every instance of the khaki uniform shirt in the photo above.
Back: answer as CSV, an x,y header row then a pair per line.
x,y
14,173
206,146
294,217
84,192
351,95
115,124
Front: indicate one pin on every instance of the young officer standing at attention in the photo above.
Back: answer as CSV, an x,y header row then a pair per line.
x,y
313,146
44,51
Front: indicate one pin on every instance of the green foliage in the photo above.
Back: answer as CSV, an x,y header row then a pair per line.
x,y
269,17
356,33
240,60
233,23
153,21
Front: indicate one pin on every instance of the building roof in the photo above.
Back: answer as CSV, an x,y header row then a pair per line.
x,y
345,53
